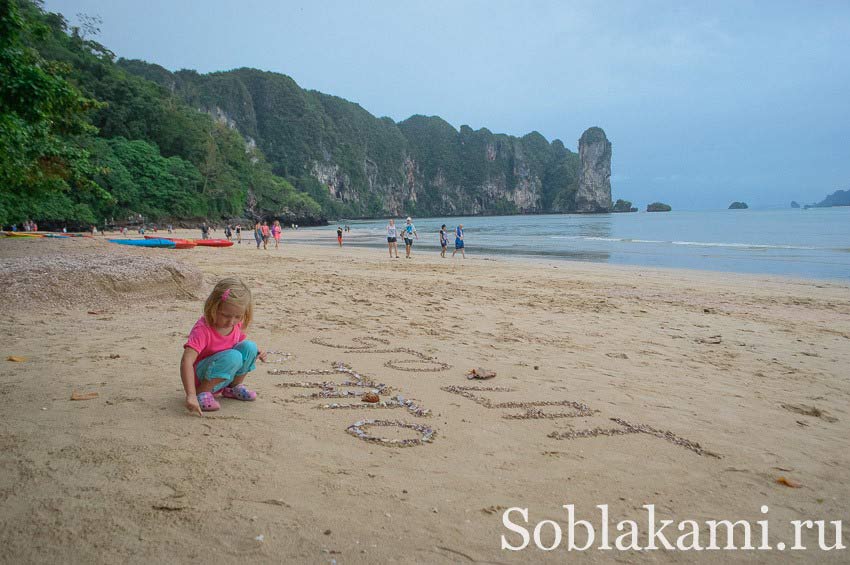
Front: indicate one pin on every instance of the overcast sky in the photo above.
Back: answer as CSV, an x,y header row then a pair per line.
x,y
704,102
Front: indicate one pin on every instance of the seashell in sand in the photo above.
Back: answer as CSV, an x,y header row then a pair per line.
x,y
480,373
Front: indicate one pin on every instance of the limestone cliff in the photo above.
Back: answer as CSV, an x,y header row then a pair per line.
x,y
357,165
594,187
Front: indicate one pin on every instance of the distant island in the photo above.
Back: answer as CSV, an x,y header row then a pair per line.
x,y
795,204
738,206
837,198
623,206
658,207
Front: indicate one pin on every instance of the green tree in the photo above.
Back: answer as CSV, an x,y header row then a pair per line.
x,y
42,114
141,181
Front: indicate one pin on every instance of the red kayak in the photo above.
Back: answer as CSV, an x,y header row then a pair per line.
x,y
213,242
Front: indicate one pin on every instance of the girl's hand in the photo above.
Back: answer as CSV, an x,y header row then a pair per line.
x,y
262,356
192,404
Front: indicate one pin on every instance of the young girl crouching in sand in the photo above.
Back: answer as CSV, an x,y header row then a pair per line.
x,y
216,357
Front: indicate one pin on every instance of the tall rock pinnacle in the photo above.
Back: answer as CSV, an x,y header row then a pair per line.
x,y
594,187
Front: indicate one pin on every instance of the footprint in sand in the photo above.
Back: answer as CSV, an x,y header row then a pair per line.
x,y
810,411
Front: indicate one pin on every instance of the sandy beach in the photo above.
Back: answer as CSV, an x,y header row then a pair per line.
x,y
705,394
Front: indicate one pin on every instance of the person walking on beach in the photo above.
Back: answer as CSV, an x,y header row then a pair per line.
x,y
266,235
409,231
228,232
276,229
258,234
459,241
339,235
392,238
217,356
444,240
239,233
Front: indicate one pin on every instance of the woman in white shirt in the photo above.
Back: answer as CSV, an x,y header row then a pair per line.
x,y
392,239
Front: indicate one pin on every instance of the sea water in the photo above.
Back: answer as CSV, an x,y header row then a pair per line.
x,y
813,243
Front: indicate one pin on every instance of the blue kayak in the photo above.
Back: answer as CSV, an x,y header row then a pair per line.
x,y
145,242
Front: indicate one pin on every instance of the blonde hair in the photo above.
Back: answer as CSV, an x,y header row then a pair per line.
x,y
238,293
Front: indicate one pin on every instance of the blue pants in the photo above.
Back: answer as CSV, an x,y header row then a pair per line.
x,y
228,364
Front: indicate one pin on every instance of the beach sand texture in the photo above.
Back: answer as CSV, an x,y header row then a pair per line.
x,y
753,369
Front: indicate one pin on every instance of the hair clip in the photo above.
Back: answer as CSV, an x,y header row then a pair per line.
x,y
225,295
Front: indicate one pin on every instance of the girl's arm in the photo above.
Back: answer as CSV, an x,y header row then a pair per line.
x,y
187,375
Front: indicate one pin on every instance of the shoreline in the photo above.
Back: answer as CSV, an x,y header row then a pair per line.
x,y
553,257
432,253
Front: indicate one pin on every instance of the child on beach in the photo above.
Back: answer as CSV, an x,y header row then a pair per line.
x,y
216,356
444,240
339,235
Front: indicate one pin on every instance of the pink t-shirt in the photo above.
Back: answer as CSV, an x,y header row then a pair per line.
x,y
206,341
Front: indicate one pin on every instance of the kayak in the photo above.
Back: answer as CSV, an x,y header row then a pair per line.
x,y
145,242
22,234
213,242
178,243
56,235
182,243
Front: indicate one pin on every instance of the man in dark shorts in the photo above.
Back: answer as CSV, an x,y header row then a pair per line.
x,y
409,232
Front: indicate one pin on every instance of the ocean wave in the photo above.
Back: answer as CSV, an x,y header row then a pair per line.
x,y
693,243
586,238
743,245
